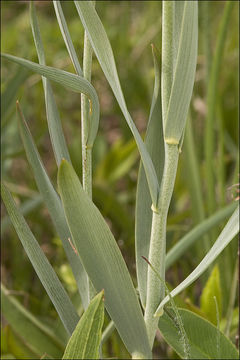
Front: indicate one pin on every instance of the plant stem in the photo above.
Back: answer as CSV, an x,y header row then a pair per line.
x,y
86,149
157,250
233,292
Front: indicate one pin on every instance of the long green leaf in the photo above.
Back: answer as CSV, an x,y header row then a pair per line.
x,y
41,265
86,338
229,232
70,81
66,36
53,203
202,336
103,261
197,232
155,146
54,123
184,73
102,48
38,336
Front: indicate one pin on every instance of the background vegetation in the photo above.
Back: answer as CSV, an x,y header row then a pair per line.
x,y
131,27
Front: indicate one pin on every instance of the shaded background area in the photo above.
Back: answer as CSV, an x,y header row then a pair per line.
x,y
131,27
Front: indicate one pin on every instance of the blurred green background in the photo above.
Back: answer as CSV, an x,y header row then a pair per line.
x,y
131,27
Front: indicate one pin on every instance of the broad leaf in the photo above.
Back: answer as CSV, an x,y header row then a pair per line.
x,y
86,338
184,71
229,232
155,146
70,81
54,122
205,340
103,261
43,268
39,337
102,48
53,203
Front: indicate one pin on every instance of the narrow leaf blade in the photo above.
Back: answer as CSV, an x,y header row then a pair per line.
x,y
66,36
53,203
229,232
86,338
102,260
44,270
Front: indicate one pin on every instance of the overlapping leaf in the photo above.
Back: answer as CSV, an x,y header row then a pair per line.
x,y
103,261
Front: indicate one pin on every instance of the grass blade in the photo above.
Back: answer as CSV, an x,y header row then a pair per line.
x,y
44,270
155,146
98,250
53,203
197,232
53,119
67,37
102,48
184,74
85,340
29,327
229,232
70,81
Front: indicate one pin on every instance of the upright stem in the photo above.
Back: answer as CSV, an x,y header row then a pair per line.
x,y
157,250
86,149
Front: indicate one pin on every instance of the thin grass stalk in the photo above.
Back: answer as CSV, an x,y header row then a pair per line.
x,y
221,164
193,172
157,251
85,123
211,107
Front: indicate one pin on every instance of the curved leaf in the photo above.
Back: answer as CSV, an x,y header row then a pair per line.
x,y
103,261
70,81
86,338
229,232
102,48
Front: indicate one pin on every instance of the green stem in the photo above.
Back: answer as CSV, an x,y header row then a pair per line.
x,y
86,149
157,250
